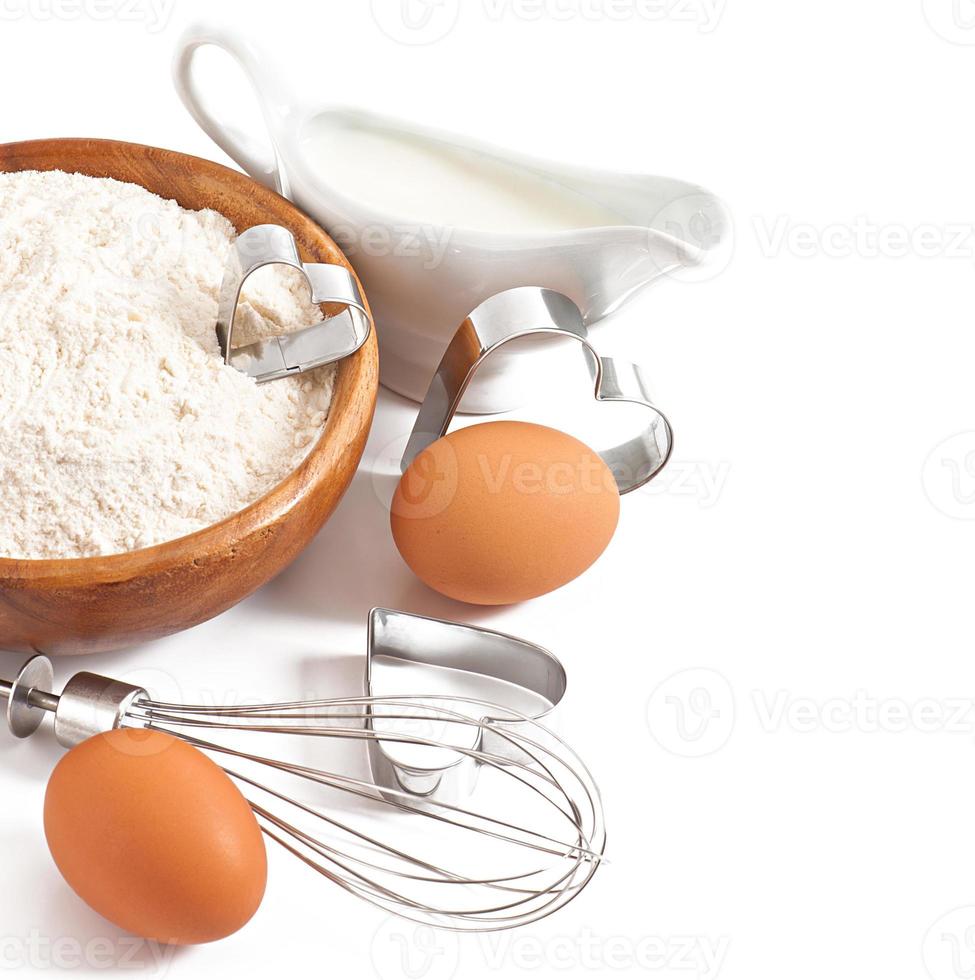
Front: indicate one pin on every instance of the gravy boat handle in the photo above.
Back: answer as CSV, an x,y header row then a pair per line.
x,y
258,157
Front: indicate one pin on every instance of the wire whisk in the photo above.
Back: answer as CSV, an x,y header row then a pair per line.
x,y
388,825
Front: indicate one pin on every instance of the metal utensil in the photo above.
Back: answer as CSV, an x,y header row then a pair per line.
x,y
524,845
532,311
314,346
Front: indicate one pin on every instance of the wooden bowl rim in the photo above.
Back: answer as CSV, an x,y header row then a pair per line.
x,y
311,474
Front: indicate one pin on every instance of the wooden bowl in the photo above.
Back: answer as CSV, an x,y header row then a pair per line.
x,y
83,605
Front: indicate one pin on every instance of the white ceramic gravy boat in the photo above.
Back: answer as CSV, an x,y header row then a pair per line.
x,y
423,278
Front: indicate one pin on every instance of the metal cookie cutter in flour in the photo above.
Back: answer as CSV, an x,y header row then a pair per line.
x,y
523,312
315,345
452,663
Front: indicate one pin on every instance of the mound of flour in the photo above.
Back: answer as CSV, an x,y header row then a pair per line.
x,y
120,425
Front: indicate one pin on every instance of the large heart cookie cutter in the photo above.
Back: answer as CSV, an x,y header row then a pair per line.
x,y
452,657
314,346
529,311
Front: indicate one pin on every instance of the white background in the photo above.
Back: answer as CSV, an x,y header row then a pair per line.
x,y
799,584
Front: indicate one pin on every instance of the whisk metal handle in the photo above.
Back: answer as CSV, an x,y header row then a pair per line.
x,y
27,696
89,704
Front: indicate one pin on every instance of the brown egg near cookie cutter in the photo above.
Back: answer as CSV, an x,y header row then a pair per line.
x,y
532,311
292,353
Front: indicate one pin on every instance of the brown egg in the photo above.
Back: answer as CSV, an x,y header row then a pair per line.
x,y
504,511
155,837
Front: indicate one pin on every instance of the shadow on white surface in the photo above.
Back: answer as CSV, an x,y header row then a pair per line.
x,y
34,760
86,939
353,565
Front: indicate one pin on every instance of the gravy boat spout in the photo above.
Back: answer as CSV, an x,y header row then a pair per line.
x,y
435,223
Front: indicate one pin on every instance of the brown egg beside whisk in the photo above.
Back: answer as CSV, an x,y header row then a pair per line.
x,y
155,837
408,839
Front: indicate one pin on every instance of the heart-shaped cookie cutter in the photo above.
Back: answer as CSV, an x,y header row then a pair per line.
x,y
397,640
313,346
533,311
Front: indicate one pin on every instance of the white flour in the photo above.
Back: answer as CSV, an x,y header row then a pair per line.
x,y
120,426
